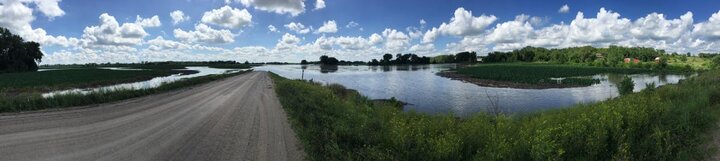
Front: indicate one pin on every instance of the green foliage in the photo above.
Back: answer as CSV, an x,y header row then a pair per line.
x,y
612,56
325,60
716,62
74,78
401,59
667,124
626,86
440,59
541,73
27,102
16,55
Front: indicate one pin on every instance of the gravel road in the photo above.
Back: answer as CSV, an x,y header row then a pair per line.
x,y
238,118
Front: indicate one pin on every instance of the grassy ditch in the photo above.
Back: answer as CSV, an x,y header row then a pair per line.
x,y
666,123
28,102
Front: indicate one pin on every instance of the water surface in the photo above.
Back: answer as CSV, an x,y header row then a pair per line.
x,y
426,92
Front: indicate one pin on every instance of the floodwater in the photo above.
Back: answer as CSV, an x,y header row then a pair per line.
x,y
152,83
426,92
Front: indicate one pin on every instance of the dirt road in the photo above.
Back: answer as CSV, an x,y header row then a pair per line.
x,y
237,118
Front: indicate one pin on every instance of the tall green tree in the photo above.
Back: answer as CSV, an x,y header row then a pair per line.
x,y
16,55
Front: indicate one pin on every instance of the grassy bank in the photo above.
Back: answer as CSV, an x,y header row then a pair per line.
x,y
539,74
73,78
36,102
667,123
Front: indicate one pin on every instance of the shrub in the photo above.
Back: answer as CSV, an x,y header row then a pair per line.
x,y
626,86
716,62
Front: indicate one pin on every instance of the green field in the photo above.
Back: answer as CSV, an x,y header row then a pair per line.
x,y
181,65
37,102
73,78
535,73
668,123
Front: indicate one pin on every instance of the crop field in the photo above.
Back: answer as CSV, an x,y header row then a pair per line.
x,y
74,78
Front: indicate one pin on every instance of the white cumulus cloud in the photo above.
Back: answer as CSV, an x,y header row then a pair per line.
x,y
564,9
178,17
328,27
319,4
205,34
292,7
227,17
153,21
110,33
297,27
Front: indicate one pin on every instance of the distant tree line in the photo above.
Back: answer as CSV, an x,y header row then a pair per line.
x,y
611,56
708,55
461,57
17,55
400,59
327,60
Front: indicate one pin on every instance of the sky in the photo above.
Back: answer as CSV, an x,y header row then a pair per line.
x,y
97,31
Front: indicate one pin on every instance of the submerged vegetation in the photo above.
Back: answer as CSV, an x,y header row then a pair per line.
x,y
537,74
666,123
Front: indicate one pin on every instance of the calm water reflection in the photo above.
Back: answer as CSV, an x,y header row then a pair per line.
x,y
427,92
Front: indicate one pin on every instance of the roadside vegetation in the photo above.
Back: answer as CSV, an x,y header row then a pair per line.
x,y
35,101
665,123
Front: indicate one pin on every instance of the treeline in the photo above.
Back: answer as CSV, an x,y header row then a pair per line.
x,y
462,57
708,55
17,55
400,59
327,60
611,56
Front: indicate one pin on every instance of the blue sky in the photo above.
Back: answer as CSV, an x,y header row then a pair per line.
x,y
83,31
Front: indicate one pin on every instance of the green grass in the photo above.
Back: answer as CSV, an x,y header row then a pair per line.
x,y
533,73
666,123
74,78
37,102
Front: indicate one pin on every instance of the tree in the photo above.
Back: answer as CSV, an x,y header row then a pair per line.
x,y
716,62
325,60
374,62
16,55
304,62
466,57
